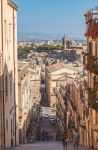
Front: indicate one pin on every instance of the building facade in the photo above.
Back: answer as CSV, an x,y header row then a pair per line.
x,y
54,74
91,65
72,108
8,75
29,101
25,100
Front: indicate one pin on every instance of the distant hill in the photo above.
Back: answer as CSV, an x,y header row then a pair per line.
x,y
41,36
38,36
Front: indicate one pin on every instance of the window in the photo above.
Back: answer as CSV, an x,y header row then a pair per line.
x,y
96,51
9,32
6,85
13,124
7,124
11,127
90,47
5,30
10,82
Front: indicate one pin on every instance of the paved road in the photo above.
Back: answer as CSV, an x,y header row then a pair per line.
x,y
47,127
45,146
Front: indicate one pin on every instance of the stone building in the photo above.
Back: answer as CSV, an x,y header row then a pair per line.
x,y
29,100
36,97
72,108
56,74
8,75
77,109
91,65
25,99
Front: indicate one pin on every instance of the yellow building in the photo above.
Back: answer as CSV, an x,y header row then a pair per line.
x,y
91,65
8,75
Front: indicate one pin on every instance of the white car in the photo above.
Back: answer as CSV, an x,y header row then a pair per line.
x,y
53,121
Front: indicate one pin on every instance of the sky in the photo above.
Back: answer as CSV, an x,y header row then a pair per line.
x,y
57,17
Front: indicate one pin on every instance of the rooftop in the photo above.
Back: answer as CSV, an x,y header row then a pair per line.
x,y
61,65
55,67
12,4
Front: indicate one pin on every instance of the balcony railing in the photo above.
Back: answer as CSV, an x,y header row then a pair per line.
x,y
87,60
94,67
90,63
92,23
71,124
93,100
92,30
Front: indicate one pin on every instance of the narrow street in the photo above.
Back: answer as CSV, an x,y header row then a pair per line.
x,y
48,130
46,146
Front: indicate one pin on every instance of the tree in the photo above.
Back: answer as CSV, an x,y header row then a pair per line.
x,y
22,51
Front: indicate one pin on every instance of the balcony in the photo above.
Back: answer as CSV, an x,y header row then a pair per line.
x,y
96,83
92,30
87,60
82,123
94,68
93,100
92,24
71,124
90,63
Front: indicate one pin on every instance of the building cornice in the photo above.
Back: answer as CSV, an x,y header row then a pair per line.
x,y
13,5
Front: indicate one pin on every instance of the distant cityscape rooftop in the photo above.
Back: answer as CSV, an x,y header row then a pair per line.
x,y
55,67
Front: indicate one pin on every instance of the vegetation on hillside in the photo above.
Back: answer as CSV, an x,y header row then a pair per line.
x,y
45,48
49,47
22,50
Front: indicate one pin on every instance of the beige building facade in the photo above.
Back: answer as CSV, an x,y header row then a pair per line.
x,y
91,65
72,108
81,94
56,74
8,75
25,100
29,100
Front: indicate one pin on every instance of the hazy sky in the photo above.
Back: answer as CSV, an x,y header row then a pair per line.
x,y
53,16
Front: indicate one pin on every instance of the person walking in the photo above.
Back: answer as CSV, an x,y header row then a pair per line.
x,y
76,139
64,142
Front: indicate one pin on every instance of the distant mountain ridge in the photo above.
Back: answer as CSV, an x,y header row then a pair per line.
x,y
40,36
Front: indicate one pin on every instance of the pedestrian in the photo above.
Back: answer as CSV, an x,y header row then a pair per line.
x,y
64,142
76,139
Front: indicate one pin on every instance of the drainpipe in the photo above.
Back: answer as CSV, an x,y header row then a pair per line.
x,y
3,104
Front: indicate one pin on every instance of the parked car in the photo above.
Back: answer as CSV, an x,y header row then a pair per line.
x,y
46,115
53,121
